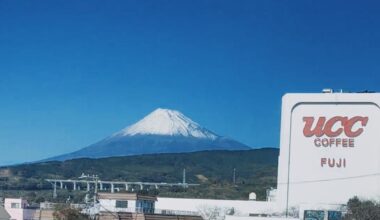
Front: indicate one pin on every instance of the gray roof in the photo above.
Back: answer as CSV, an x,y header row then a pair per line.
x,y
4,214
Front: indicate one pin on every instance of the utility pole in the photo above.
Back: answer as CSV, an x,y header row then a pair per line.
x,y
184,177
95,178
55,190
234,177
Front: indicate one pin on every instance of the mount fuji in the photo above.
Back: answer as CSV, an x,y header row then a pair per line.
x,y
162,131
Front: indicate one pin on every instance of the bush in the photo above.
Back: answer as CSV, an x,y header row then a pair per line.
x,y
362,210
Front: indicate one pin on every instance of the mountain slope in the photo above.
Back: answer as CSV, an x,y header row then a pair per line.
x,y
162,131
256,171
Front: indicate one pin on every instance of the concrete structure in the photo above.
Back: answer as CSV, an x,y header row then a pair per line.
x,y
330,149
18,209
112,186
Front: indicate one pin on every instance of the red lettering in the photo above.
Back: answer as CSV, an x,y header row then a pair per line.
x,y
317,131
339,164
350,123
330,124
323,127
333,162
323,161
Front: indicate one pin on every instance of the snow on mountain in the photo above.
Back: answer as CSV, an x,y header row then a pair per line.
x,y
162,131
167,122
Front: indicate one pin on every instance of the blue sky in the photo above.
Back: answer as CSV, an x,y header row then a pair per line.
x,y
73,72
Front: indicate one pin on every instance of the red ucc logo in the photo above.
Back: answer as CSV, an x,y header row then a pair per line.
x,y
332,128
339,123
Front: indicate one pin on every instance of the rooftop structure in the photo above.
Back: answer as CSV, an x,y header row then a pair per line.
x,y
126,202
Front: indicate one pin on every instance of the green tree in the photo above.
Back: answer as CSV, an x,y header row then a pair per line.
x,y
362,210
65,212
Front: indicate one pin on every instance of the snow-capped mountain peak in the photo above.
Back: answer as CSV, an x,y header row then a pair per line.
x,y
167,122
162,131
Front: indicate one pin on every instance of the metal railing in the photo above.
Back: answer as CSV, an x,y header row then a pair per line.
x,y
150,211
175,212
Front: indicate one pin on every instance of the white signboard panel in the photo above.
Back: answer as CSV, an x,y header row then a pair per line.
x,y
330,148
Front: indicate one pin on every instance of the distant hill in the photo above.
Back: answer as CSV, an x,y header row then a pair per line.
x,y
162,131
256,170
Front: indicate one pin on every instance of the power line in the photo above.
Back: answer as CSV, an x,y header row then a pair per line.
x,y
330,179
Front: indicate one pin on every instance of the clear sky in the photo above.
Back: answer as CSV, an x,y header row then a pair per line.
x,y
74,72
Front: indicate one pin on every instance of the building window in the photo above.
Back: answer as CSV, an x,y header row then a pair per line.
x,y
15,205
121,204
314,215
145,206
334,215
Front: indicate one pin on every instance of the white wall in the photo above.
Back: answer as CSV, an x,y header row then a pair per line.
x,y
110,205
257,218
241,207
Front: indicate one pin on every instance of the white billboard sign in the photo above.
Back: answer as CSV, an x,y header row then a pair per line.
x,y
330,148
